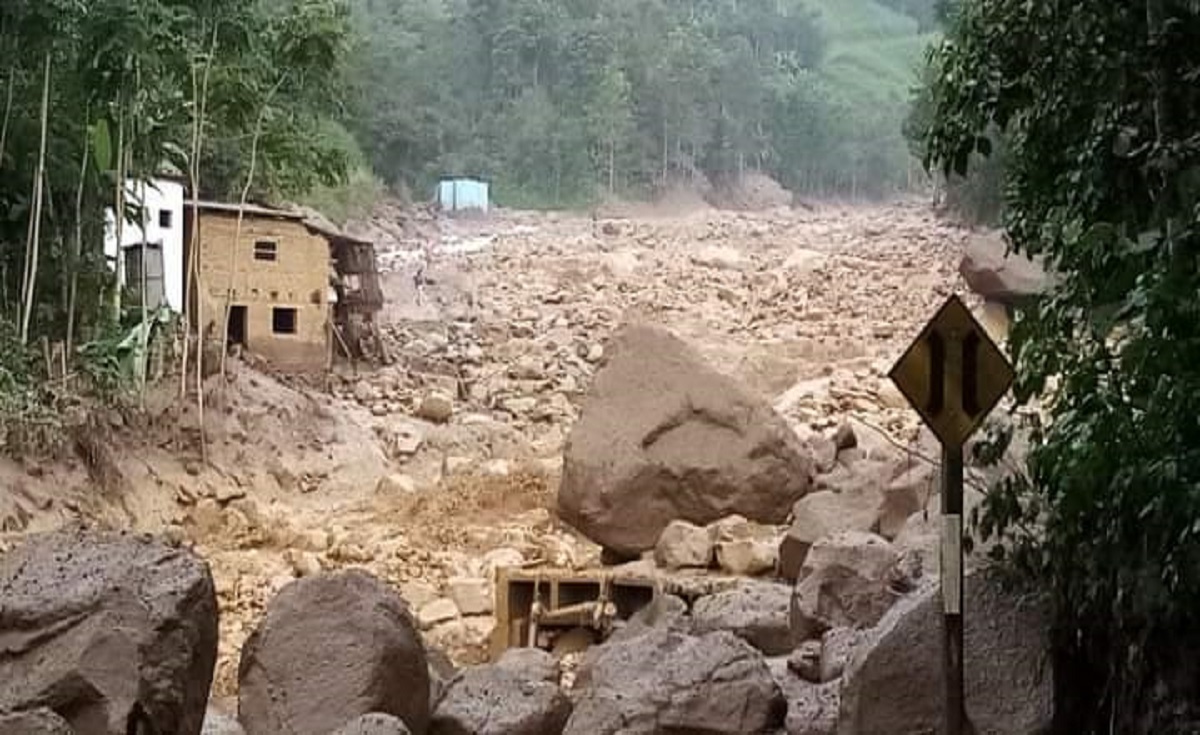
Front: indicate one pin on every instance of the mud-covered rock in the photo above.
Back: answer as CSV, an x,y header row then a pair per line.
x,y
664,681
813,709
744,548
820,514
110,631
665,612
757,612
329,649
847,581
515,696
837,645
664,437
684,545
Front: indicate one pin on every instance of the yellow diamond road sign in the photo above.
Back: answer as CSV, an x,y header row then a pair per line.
x,y
953,374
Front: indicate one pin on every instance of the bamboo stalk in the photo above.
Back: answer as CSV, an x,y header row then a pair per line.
x,y
119,211
200,99
35,226
237,234
12,79
77,242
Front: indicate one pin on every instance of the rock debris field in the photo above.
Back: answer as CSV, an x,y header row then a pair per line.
x,y
698,399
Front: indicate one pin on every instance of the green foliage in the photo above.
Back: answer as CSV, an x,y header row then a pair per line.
x,y
977,197
27,423
558,103
124,90
1100,104
352,199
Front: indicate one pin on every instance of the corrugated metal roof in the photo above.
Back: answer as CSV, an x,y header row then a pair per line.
x,y
310,218
251,209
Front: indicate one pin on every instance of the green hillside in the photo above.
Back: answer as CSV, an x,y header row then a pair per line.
x,y
874,51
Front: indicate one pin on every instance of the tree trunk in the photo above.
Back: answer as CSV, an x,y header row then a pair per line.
x,y
12,78
194,283
666,155
77,241
612,166
237,232
35,223
119,211
199,101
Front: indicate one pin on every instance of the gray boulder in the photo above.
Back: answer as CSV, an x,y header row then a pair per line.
x,y
837,645
441,672
518,695
664,681
847,581
330,648
893,682
757,612
998,275
35,722
663,437
813,709
374,724
665,612
111,631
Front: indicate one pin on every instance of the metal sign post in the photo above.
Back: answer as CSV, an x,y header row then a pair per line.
x,y
953,375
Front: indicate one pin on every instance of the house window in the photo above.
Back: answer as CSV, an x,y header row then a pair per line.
x,y
265,250
283,321
165,218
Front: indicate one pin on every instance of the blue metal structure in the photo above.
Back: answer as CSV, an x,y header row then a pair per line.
x,y
463,195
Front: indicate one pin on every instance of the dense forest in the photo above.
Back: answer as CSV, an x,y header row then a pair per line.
x,y
561,102
226,94
1096,107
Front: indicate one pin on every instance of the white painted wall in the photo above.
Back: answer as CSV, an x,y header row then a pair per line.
x,y
157,196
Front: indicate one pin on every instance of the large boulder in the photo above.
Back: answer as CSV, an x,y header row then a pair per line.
x,y
906,494
664,681
330,648
116,633
848,581
757,612
868,495
893,681
820,514
518,695
662,437
999,275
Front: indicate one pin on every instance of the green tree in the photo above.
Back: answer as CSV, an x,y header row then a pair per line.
x,y
610,120
1100,108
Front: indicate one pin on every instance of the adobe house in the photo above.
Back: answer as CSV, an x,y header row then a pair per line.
x,y
276,279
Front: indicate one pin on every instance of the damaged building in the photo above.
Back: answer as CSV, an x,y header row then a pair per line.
x,y
289,300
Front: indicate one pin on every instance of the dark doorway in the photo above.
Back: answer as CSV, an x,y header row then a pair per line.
x,y
236,329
